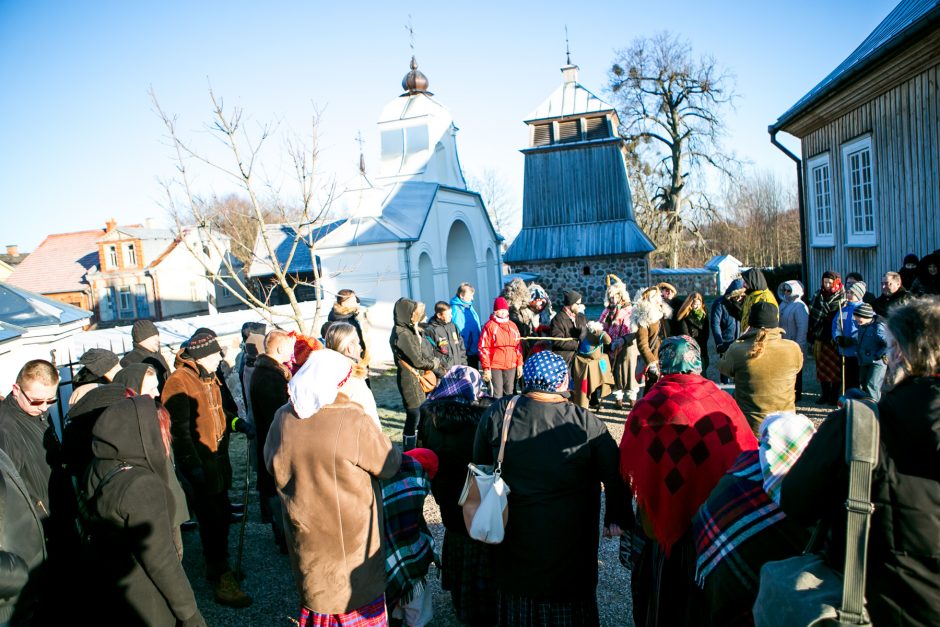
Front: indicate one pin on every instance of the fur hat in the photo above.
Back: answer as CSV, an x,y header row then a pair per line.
x,y
142,330
617,289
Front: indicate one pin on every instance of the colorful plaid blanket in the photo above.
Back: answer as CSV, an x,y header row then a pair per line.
x,y
409,549
737,509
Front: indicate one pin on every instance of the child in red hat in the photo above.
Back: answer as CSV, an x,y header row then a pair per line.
x,y
501,350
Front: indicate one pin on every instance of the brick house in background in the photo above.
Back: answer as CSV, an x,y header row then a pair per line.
x,y
152,273
57,268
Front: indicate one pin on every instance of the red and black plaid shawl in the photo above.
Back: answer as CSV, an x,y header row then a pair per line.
x,y
679,441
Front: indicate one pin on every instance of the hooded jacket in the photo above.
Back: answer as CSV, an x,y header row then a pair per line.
x,y
757,292
500,345
794,313
467,321
136,557
902,586
142,355
326,468
410,346
724,318
447,341
200,434
927,284
77,435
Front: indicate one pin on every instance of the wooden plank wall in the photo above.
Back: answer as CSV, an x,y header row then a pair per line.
x,y
904,124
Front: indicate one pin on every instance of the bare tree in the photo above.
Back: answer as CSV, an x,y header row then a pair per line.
x,y
259,201
499,200
759,223
670,106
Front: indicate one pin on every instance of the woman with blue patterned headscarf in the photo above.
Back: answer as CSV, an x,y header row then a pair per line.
x,y
556,457
449,419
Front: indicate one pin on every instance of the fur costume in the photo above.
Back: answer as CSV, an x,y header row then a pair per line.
x,y
527,320
590,369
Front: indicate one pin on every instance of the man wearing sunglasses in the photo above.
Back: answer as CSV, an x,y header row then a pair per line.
x,y
23,422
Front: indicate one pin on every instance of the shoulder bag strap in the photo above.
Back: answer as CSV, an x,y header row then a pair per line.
x,y
861,453
507,417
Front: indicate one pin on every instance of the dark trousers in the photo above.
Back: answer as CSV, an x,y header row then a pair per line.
x,y
503,382
798,386
411,421
473,361
212,512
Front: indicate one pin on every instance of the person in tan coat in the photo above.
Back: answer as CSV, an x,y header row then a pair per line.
x,y
763,366
326,456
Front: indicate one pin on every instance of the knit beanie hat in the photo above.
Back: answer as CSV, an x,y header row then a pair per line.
x,y
202,344
858,289
500,303
427,458
910,258
863,310
571,297
99,361
764,315
142,330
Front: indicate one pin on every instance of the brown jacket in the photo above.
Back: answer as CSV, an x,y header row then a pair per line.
x,y
763,384
326,469
198,423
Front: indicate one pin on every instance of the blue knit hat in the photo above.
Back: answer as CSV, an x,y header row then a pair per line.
x,y
544,372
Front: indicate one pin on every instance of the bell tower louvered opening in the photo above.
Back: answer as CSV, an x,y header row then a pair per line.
x,y
569,131
541,134
596,128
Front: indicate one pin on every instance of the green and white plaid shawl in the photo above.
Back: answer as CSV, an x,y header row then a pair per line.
x,y
783,436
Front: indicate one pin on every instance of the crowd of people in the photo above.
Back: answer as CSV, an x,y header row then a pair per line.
x,y
710,480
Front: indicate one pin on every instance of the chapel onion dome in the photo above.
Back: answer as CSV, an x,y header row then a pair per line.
x,y
415,82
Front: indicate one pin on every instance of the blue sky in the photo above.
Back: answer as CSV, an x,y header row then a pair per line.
x,y
81,143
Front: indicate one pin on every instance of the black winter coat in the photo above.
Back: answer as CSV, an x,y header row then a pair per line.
x,y
447,343
903,579
557,455
22,437
142,581
268,393
563,326
449,427
23,548
410,346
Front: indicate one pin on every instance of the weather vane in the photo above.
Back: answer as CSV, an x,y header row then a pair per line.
x,y
411,34
567,47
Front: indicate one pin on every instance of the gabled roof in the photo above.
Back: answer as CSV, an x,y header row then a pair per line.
x,y
571,98
903,24
715,261
281,237
59,263
23,309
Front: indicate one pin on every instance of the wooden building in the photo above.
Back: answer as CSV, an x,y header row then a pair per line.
x,y
870,137
577,211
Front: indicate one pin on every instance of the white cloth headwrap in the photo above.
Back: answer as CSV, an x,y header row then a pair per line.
x,y
316,383
783,437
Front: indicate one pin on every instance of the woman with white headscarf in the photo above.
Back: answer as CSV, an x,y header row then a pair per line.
x,y
326,456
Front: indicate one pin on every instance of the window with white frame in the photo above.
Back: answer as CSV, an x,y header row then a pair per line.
x,y
131,256
112,257
820,200
860,207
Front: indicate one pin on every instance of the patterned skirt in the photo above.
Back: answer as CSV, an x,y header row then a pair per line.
x,y
370,615
519,611
828,363
467,573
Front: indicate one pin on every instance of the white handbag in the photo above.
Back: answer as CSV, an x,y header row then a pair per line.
x,y
485,495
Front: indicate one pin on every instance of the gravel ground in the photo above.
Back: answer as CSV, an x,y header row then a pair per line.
x,y
269,579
